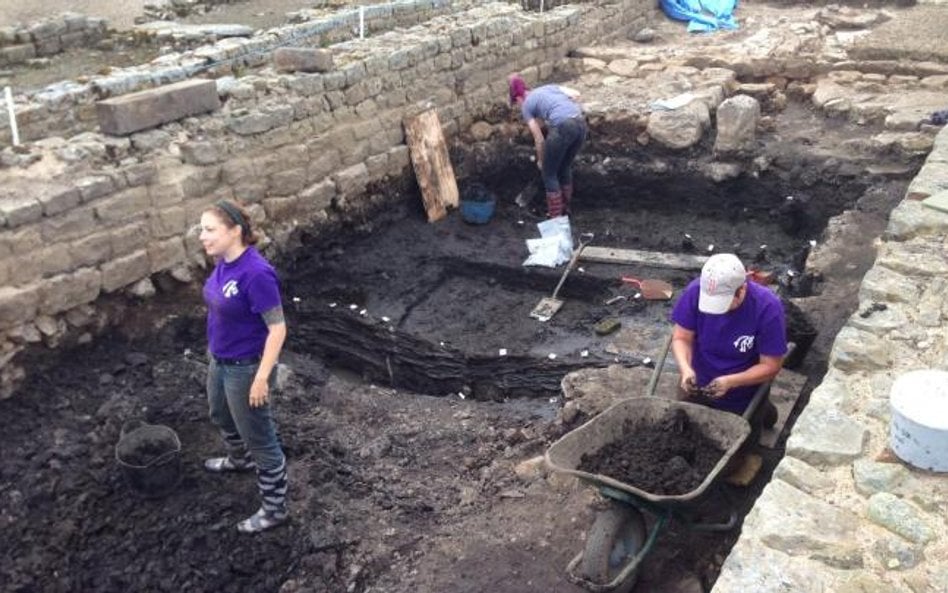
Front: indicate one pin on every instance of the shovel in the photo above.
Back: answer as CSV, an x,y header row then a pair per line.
x,y
548,306
652,290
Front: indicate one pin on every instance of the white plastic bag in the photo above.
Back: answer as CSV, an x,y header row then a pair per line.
x,y
556,245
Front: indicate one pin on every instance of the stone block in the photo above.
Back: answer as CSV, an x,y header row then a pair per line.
x,y
200,153
352,180
92,250
285,209
96,186
302,59
73,224
123,271
255,122
319,195
125,205
168,222
57,199
141,110
164,255
18,210
18,305
16,54
140,174
22,240
825,436
127,238
69,290
50,261
237,170
323,164
286,183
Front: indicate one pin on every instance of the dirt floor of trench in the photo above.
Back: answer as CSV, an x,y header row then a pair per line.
x,y
397,482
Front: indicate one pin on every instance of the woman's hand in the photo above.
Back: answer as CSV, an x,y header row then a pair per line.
x,y
259,392
689,381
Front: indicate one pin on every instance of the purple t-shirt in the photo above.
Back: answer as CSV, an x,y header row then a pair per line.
x,y
550,104
237,293
733,342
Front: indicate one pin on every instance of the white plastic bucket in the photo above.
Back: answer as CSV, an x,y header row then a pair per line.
x,y
918,430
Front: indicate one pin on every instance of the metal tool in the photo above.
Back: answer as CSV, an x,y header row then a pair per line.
x,y
651,289
548,306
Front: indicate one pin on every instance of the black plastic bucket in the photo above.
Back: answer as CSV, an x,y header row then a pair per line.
x,y
150,458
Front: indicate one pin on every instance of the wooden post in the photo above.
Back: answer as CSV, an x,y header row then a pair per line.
x,y
429,157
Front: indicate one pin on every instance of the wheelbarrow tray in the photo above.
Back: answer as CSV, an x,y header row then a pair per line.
x,y
728,431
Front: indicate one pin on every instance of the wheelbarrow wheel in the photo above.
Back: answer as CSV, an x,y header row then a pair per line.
x,y
615,538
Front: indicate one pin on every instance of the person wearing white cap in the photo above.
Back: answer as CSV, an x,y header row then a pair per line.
x,y
729,336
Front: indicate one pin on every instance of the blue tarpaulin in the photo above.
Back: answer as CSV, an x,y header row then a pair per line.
x,y
702,15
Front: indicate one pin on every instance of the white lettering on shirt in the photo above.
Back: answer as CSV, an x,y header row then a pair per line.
x,y
744,343
230,289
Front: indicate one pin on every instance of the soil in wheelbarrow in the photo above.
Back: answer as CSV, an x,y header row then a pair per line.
x,y
668,458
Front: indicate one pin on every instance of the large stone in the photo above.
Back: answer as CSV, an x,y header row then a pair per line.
x,y
912,218
737,124
68,290
857,350
824,435
752,566
18,305
900,517
879,323
677,129
301,59
804,476
796,523
872,477
16,210
123,115
590,391
886,286
123,271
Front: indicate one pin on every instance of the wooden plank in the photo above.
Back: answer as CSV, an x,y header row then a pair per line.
x,y
655,259
784,394
429,157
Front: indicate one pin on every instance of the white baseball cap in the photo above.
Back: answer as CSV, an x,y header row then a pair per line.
x,y
721,276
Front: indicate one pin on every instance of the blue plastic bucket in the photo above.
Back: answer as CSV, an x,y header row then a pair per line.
x,y
477,212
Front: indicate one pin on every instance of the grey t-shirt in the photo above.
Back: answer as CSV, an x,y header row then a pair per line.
x,y
550,104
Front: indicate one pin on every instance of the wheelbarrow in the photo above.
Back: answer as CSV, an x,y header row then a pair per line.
x,y
618,540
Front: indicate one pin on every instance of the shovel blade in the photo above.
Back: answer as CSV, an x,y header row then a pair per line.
x,y
546,308
656,290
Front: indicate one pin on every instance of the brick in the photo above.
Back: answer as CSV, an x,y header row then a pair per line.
x,y
164,255
125,270
300,59
168,222
18,210
69,290
18,305
94,187
58,199
92,250
120,116
70,225
127,238
125,205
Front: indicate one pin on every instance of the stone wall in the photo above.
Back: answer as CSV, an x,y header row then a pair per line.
x,y
95,215
21,43
842,514
68,108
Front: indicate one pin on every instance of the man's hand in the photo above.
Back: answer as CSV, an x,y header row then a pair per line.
x,y
259,392
689,381
720,386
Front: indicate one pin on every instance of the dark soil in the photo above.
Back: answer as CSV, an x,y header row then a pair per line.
x,y
671,457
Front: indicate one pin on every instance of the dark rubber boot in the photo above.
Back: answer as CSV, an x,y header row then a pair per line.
x,y
554,204
567,191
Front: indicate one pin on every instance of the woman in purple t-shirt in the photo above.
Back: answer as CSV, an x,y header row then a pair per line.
x,y
729,336
245,333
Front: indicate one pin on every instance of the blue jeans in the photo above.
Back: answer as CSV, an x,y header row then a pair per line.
x,y
560,148
252,429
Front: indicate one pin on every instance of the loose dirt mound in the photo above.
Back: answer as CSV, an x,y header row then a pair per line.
x,y
671,457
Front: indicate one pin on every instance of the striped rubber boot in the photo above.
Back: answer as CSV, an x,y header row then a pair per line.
x,y
237,453
554,204
567,191
272,484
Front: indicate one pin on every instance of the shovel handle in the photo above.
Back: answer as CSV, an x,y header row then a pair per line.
x,y
569,267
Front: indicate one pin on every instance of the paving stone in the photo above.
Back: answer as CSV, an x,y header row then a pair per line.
x,y
872,477
824,435
141,110
900,517
804,476
791,521
857,350
752,566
